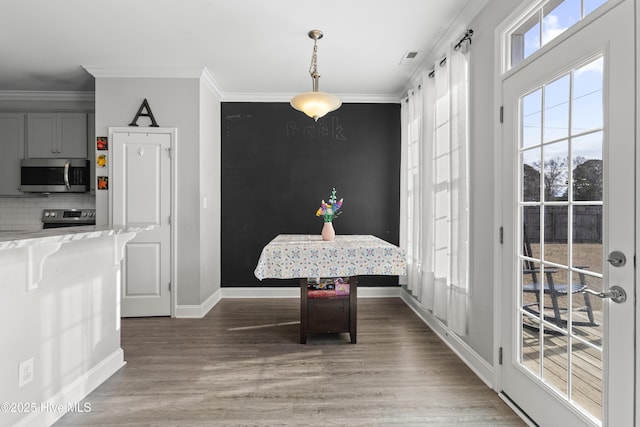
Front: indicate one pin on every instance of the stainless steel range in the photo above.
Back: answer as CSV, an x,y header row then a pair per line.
x,y
56,218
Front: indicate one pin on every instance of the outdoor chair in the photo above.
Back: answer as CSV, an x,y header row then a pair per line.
x,y
554,291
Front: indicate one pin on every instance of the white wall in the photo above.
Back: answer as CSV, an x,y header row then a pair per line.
x,y
210,189
483,117
184,104
479,339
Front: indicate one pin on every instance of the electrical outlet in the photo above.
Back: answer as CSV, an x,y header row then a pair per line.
x,y
25,372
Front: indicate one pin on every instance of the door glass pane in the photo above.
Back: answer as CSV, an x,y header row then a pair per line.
x,y
532,119
556,171
531,295
556,247
530,349
556,109
586,377
587,309
531,232
587,167
556,299
587,238
556,361
586,99
531,175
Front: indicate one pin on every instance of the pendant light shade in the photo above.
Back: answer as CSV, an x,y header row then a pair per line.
x,y
315,104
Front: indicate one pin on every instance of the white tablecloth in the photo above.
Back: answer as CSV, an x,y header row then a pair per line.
x,y
290,256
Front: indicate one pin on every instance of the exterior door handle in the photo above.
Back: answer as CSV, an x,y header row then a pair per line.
x,y
616,294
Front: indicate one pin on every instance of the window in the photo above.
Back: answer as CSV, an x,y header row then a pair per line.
x,y
544,23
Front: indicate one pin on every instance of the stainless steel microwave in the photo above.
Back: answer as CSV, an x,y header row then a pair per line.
x,y
54,176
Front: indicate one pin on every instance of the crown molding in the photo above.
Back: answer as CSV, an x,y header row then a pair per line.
x,y
211,83
145,72
158,72
286,97
28,95
457,27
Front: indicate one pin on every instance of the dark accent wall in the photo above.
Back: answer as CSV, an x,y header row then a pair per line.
x,y
277,166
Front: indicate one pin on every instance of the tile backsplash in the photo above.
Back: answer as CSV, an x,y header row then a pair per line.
x,y
25,213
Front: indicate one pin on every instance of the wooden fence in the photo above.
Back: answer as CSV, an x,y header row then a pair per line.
x,y
587,224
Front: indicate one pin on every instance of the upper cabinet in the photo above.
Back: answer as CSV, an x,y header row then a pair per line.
x,y
11,152
58,135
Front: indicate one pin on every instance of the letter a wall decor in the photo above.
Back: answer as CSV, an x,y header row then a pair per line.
x,y
144,106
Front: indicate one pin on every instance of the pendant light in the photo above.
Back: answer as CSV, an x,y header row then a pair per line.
x,y
315,104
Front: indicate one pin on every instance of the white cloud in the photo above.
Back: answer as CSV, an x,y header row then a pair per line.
x,y
596,66
551,28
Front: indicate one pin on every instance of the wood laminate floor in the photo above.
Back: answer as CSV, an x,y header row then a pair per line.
x,y
242,365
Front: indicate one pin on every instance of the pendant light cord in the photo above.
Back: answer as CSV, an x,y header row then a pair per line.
x,y
313,69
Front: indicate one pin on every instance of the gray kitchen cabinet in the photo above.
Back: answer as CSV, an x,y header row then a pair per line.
x,y
57,135
11,152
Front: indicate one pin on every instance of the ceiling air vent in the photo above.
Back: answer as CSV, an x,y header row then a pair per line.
x,y
409,57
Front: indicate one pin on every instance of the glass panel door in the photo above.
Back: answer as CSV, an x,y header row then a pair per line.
x,y
568,201
561,241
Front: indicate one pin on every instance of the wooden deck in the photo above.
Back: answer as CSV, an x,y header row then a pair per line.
x,y
586,362
584,385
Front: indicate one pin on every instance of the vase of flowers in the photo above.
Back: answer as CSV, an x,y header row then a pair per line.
x,y
329,210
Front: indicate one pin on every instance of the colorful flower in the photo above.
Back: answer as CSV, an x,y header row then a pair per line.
x,y
330,209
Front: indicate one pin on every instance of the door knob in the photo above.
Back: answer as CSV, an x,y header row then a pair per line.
x,y
616,293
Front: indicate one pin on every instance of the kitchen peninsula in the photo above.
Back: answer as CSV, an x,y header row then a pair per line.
x,y
60,308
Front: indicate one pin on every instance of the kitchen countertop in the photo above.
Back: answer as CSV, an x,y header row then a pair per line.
x,y
21,239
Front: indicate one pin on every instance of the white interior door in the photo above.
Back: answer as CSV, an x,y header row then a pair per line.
x,y
141,194
569,197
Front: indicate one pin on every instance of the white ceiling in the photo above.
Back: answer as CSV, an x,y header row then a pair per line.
x,y
252,48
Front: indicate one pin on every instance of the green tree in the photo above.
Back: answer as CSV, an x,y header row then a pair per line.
x,y
555,179
587,180
530,183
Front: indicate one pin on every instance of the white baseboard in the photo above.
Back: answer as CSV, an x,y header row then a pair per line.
x,y
259,292
363,292
68,399
199,311
477,364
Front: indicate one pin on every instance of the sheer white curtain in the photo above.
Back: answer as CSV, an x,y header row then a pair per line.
x,y
441,163
428,195
435,221
459,187
412,116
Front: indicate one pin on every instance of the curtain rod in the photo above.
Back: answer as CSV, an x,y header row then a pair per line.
x,y
467,36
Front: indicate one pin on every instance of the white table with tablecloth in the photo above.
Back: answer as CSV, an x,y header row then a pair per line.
x,y
306,257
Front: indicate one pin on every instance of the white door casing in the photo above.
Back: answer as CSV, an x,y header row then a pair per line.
x,y
141,193
609,36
